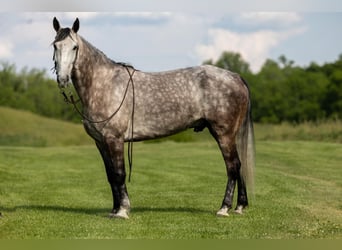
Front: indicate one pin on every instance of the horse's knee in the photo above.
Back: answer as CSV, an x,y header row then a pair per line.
x,y
233,165
235,168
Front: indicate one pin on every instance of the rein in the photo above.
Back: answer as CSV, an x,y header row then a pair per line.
x,y
71,100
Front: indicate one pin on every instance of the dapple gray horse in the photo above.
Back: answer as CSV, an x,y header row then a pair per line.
x,y
121,104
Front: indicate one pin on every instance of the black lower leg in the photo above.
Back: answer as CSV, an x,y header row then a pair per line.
x,y
228,198
112,155
233,167
119,190
242,194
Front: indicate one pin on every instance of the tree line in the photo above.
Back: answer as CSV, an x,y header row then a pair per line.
x,y
280,91
34,91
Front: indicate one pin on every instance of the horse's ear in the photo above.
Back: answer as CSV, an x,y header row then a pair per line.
x,y
76,25
56,25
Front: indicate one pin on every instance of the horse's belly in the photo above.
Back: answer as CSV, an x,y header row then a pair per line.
x,y
160,126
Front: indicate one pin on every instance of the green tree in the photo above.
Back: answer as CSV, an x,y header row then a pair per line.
x,y
267,93
332,102
231,61
32,90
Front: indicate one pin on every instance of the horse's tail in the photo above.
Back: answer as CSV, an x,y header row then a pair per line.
x,y
246,147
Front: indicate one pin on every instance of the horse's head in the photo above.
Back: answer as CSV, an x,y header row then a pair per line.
x,y
65,51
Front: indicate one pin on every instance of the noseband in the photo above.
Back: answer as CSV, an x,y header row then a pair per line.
x,y
70,100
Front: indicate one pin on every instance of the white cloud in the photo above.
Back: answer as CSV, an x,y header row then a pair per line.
x,y
167,42
155,41
254,47
265,32
144,14
269,18
83,15
6,49
27,41
119,14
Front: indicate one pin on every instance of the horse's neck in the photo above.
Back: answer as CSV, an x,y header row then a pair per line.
x,y
90,60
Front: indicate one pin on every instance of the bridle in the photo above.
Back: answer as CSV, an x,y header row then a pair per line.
x,y
69,99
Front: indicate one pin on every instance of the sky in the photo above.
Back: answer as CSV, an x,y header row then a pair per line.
x,y
161,40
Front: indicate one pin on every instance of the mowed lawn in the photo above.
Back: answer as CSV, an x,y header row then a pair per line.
x,y
175,191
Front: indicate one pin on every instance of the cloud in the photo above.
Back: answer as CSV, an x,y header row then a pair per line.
x,y
121,18
26,41
255,35
82,15
254,47
144,14
6,49
279,19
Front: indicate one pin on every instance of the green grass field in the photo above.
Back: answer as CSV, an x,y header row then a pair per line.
x,y
56,190
22,128
176,188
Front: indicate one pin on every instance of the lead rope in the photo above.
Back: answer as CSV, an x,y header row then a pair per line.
x,y
72,101
130,142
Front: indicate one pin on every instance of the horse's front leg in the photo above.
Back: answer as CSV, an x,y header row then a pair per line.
x,y
112,152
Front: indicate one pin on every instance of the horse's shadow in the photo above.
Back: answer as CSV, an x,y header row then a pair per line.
x,y
169,210
100,211
55,208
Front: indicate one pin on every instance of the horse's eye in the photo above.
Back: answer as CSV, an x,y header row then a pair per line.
x,y
75,48
55,47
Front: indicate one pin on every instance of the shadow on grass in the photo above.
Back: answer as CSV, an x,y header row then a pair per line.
x,y
56,208
169,210
101,211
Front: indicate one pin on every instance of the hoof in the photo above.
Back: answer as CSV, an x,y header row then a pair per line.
x,y
121,214
223,212
238,209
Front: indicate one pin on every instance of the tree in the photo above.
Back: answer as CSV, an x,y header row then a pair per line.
x,y
231,61
267,93
32,90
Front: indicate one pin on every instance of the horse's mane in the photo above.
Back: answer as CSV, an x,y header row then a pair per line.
x,y
104,55
63,33
123,64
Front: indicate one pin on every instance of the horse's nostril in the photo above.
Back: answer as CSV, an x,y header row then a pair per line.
x,y
63,81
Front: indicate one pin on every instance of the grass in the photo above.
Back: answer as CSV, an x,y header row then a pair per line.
x,y
22,128
55,186
176,188
327,131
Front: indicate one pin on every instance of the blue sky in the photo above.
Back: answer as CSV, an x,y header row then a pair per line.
x,y
163,40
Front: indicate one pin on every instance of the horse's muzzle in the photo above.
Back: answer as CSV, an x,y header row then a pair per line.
x,y
63,81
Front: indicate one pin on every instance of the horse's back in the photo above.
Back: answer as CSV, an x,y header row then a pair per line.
x,y
171,101
192,81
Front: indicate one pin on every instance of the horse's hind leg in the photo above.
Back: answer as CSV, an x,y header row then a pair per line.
x,y
112,152
233,165
242,200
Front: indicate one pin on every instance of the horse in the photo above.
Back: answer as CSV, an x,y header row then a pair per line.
x,y
122,104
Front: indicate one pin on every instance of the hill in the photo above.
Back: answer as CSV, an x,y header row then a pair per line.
x,y
23,128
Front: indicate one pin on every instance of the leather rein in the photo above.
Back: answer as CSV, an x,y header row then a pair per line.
x,y
70,100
